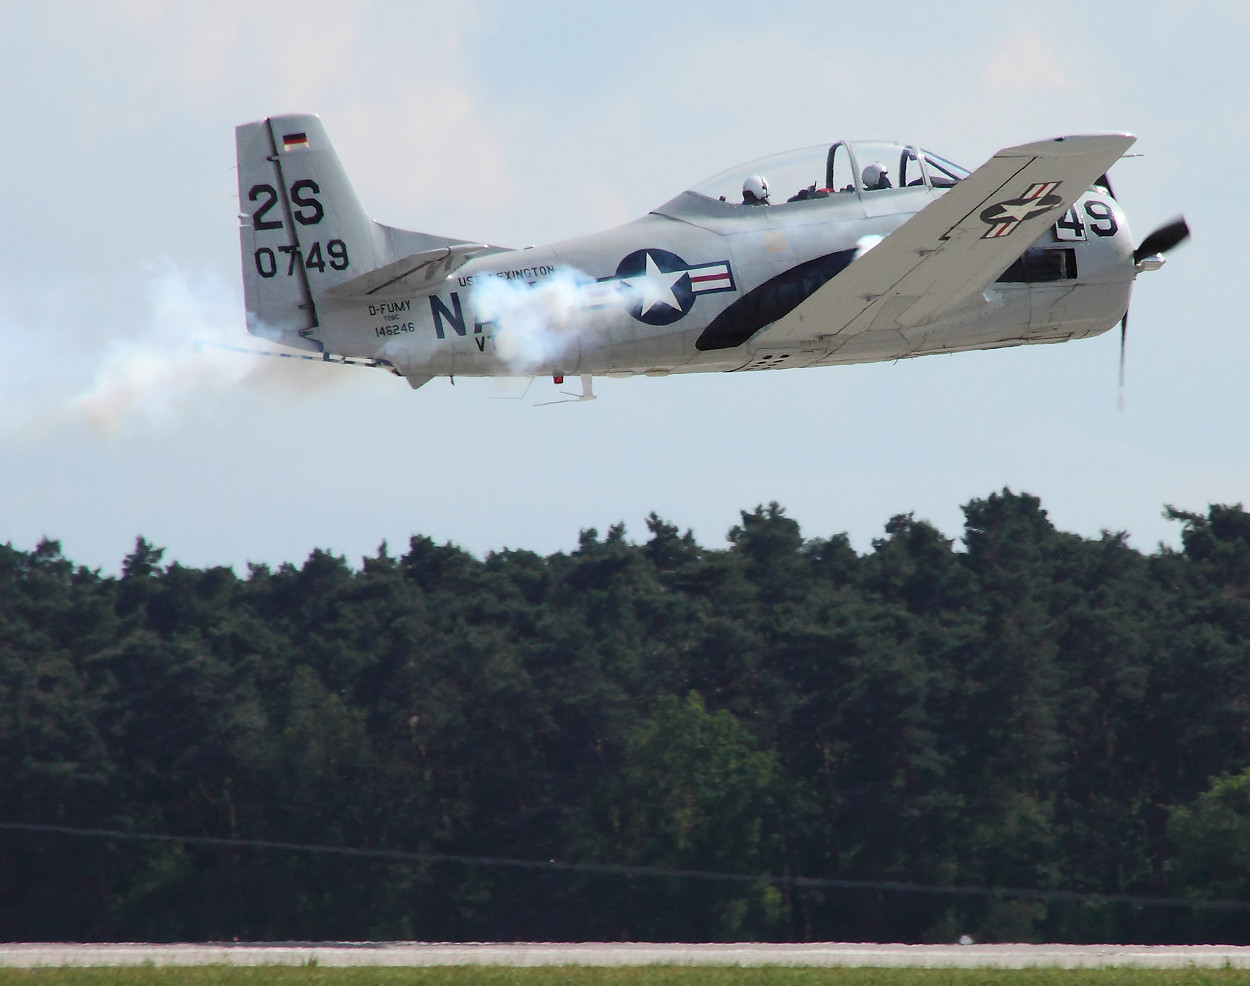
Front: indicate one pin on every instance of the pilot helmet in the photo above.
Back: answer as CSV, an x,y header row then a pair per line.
x,y
873,174
755,190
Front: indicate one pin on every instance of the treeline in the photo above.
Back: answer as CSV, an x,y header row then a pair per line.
x,y
1024,709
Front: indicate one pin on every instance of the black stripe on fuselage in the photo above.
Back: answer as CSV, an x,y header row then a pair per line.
x,y
774,298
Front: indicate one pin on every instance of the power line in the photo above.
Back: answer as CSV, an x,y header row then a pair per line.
x,y
622,869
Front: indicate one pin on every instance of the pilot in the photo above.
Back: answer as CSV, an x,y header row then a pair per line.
x,y
875,178
755,191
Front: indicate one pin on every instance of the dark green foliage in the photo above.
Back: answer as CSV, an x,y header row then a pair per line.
x,y
647,975
1027,709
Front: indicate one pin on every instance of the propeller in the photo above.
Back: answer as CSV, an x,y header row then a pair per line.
x,y
1162,239
1156,244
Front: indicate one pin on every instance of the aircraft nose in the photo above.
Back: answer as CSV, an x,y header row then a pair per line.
x,y
1109,223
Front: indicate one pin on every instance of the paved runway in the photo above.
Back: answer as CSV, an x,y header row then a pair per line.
x,y
620,954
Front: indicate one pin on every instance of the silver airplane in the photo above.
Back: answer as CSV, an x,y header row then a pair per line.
x,y
851,252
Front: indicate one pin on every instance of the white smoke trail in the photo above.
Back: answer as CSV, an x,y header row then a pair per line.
x,y
149,372
150,378
538,324
134,362
866,243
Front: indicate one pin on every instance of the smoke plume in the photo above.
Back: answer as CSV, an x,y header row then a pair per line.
x,y
538,324
134,362
150,378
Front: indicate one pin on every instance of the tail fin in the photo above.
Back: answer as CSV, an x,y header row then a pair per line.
x,y
302,230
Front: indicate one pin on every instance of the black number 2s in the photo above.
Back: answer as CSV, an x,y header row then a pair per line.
x,y
271,199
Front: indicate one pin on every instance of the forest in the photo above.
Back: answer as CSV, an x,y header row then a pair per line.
x,y
1016,734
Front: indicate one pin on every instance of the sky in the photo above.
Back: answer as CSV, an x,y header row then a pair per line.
x,y
522,124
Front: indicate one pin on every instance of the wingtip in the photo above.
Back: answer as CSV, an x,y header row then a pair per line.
x,y
1071,145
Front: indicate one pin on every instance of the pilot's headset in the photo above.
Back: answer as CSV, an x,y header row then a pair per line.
x,y
755,191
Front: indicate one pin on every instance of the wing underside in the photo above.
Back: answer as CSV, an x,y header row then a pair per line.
x,y
951,250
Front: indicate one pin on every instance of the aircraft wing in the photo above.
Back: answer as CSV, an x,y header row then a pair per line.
x,y
957,245
420,272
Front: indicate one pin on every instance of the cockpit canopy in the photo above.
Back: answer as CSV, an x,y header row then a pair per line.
x,y
858,167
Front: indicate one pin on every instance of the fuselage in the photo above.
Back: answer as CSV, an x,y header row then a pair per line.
x,y
709,281
632,316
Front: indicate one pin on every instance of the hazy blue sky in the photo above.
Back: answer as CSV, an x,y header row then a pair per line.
x,y
520,124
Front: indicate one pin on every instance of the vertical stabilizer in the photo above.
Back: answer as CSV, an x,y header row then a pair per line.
x,y
301,227
303,231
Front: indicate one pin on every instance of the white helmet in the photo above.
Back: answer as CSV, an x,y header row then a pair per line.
x,y
755,189
873,175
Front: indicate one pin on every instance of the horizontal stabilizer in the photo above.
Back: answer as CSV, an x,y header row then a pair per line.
x,y
418,273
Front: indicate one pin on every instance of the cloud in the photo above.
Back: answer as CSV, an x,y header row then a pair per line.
x,y
294,54
1024,62
425,156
